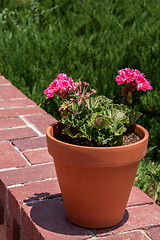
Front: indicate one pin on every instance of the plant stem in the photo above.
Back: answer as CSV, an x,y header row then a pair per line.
x,y
71,111
124,99
86,106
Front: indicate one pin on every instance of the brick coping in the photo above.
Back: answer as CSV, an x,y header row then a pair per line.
x,y
31,205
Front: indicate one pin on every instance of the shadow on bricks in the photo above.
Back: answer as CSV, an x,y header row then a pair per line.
x,y
47,211
39,197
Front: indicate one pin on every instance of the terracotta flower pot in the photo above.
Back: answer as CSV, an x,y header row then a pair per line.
x,y
95,181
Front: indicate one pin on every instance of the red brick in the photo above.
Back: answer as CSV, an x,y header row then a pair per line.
x,y
10,92
16,133
38,156
50,220
10,157
13,212
30,192
13,112
30,143
9,233
140,217
11,122
40,122
3,80
9,226
3,200
136,235
154,233
2,193
137,197
3,232
30,231
16,103
35,191
12,227
1,213
28,174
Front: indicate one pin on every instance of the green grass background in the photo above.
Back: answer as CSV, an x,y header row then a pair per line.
x,y
88,40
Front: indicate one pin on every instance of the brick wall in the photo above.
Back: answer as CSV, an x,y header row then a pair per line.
x,y
31,205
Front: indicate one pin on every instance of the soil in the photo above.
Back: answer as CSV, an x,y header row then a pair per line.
x,y
128,139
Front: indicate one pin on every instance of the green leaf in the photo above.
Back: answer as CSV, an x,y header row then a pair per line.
x,y
117,115
67,131
86,131
118,128
99,121
117,140
98,103
133,117
75,108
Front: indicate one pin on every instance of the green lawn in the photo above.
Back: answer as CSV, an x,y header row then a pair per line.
x,y
89,40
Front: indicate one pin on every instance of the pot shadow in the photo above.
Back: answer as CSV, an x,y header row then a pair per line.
x,y
47,211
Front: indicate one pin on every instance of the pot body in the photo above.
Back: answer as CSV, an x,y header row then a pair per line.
x,y
95,181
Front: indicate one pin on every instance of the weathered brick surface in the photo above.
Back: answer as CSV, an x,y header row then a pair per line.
x,y
138,197
11,122
135,218
9,225
52,223
12,227
35,191
2,193
3,232
3,80
10,92
16,133
134,235
1,213
154,233
28,174
13,112
38,156
30,143
13,210
15,103
40,122
30,192
9,234
23,194
10,157
29,231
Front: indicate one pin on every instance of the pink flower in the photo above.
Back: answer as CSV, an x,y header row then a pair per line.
x,y
78,94
61,86
144,85
133,77
120,80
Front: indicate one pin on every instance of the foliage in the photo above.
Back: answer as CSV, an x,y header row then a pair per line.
x,y
95,121
41,38
104,124
149,105
148,179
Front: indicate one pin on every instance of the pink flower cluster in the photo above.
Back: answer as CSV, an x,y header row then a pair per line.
x,y
61,86
81,90
133,77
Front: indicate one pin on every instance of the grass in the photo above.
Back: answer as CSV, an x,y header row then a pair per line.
x,y
148,179
89,40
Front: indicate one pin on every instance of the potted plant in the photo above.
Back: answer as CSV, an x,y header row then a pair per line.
x,y
96,148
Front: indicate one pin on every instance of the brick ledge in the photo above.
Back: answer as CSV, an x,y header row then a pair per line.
x,y
30,200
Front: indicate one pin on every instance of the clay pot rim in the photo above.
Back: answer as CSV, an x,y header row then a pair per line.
x,y
137,128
